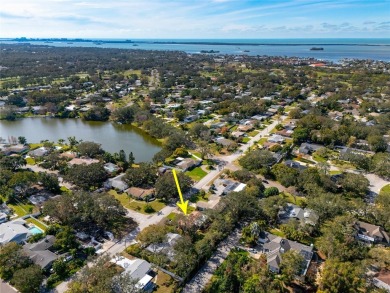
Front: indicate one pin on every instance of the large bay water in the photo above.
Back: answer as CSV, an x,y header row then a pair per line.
x,y
112,137
334,49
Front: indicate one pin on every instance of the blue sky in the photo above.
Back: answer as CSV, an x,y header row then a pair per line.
x,y
195,18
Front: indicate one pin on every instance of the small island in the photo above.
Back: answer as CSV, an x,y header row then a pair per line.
x,y
209,51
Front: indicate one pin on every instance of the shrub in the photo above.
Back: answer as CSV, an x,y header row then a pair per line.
x,y
148,209
270,191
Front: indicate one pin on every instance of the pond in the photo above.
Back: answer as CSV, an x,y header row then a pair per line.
x,y
113,137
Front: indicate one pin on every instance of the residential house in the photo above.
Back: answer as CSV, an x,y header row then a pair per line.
x,y
371,234
39,152
232,186
141,193
275,138
308,148
346,152
382,280
5,213
238,134
80,161
295,165
245,128
166,247
275,246
187,164
14,149
14,231
191,118
285,132
137,269
117,183
40,253
305,216
224,142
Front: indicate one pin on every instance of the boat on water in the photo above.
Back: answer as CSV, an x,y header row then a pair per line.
x,y
246,51
316,49
135,45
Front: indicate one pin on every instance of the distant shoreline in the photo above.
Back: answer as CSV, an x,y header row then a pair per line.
x,y
184,42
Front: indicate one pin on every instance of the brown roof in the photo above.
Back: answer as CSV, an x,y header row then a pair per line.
x,y
372,230
79,161
384,276
139,192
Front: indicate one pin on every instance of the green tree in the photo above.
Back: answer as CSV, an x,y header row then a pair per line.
x,y
271,191
12,163
355,185
124,115
22,140
285,175
338,240
166,186
89,149
87,176
257,159
339,276
131,159
292,264
144,176
28,280
49,181
12,259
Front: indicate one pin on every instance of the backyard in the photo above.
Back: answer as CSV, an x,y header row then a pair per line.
x,y
196,173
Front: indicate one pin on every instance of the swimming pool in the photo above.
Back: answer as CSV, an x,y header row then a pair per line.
x,y
34,230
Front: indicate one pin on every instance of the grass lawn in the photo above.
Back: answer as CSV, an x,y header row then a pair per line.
x,y
64,189
196,197
253,133
40,225
22,209
263,140
172,216
318,158
196,154
165,283
196,173
277,232
246,139
335,172
305,161
34,146
298,200
136,205
30,161
385,188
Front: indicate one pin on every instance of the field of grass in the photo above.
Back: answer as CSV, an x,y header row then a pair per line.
x,y
385,188
22,209
318,158
246,139
172,216
34,146
30,161
40,225
253,133
136,205
298,200
263,140
196,197
305,161
335,172
196,173
277,232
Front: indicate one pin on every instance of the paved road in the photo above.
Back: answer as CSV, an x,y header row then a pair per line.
x,y
6,288
203,276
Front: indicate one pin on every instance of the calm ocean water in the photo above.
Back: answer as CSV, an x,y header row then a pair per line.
x,y
334,49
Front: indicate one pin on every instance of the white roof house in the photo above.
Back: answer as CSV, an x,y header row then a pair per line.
x,y
136,268
14,231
